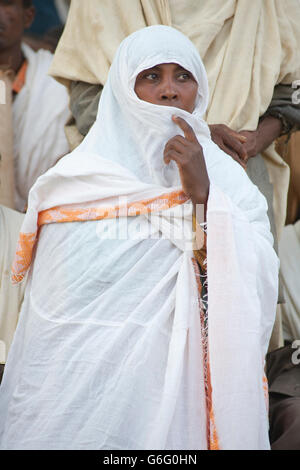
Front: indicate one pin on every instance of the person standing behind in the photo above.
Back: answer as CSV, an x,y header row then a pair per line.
x,y
39,103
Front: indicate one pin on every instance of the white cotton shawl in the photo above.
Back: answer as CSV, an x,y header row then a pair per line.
x,y
108,352
40,112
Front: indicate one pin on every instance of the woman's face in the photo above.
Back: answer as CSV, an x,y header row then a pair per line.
x,y
167,85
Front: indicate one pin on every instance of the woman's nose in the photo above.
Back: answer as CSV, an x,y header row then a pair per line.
x,y
168,91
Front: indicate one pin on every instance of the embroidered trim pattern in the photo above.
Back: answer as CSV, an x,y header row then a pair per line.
x,y
23,256
211,430
61,214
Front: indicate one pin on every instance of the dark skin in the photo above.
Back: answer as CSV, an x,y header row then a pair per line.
x,y
172,85
14,19
243,145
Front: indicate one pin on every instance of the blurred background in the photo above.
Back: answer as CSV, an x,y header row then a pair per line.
x,y
51,16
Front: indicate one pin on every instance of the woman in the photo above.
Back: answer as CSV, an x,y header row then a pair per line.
x,y
111,351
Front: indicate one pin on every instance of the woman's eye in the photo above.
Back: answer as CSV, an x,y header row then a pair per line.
x,y
151,76
184,76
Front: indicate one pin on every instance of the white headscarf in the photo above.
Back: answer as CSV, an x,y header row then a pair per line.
x,y
140,138
144,381
129,135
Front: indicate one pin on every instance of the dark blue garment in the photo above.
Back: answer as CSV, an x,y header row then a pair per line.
x,y
46,17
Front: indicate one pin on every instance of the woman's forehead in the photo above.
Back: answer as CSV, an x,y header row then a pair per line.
x,y
171,65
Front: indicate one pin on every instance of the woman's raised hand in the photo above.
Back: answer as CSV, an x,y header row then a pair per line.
x,y
188,154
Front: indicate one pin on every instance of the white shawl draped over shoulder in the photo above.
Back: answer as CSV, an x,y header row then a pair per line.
x,y
110,349
40,112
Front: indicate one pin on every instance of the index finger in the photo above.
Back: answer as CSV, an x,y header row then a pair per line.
x,y
186,128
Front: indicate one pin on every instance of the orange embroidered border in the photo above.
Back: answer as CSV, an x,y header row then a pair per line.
x,y
64,214
23,256
212,436
20,79
266,391
61,214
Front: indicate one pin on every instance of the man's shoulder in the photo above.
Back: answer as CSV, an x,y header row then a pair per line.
x,y
41,54
38,63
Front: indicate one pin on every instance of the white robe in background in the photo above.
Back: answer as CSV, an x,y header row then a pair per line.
x,y
11,297
40,112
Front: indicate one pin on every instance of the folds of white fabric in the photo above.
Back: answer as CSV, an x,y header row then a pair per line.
x,y
242,306
113,343
114,359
